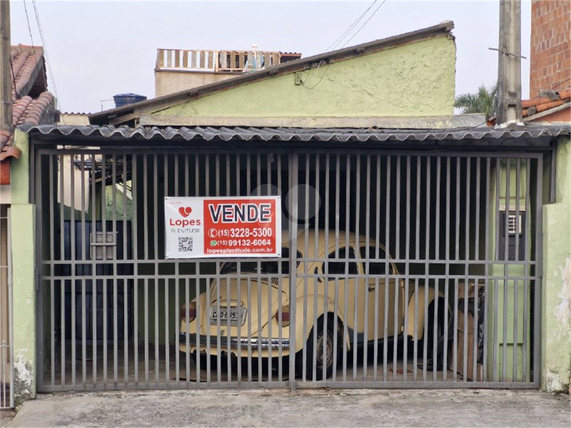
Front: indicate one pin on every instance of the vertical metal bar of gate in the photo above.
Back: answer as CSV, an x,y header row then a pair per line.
x,y
126,289
526,288
93,281
82,258
428,251
386,279
325,270
478,321
165,289
367,255
438,256
60,334
35,172
467,231
136,254
377,225
10,309
73,256
156,280
407,181
538,273
293,168
115,281
305,251
6,312
176,283
52,244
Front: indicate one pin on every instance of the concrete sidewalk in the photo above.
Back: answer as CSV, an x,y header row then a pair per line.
x,y
279,408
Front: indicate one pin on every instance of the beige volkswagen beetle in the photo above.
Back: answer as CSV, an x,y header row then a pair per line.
x,y
344,298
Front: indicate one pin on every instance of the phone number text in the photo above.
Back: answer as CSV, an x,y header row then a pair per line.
x,y
241,243
242,232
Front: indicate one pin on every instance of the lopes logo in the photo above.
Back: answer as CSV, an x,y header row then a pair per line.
x,y
184,212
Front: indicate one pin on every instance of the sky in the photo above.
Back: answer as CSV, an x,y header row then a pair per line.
x,y
97,49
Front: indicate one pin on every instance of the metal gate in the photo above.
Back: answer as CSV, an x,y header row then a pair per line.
x,y
398,270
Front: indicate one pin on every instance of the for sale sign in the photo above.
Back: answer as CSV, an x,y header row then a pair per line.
x,y
223,227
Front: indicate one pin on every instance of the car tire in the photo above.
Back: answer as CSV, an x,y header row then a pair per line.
x,y
205,360
315,356
439,333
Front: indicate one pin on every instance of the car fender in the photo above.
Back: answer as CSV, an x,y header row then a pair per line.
x,y
312,316
425,296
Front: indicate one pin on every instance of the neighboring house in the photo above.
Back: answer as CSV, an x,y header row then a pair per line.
x,y
405,76
32,105
74,119
371,128
178,69
550,61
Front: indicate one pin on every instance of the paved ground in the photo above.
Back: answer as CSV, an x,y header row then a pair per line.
x,y
277,408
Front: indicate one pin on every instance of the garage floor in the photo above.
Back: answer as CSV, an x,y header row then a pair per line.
x,y
110,373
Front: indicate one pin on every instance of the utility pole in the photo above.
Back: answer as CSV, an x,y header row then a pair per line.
x,y
509,64
5,76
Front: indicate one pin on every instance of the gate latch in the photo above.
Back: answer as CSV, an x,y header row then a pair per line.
x,y
104,249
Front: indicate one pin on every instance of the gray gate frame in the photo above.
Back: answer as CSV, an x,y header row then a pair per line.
x,y
7,343
293,152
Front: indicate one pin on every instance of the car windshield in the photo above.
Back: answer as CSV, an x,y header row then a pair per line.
x,y
269,267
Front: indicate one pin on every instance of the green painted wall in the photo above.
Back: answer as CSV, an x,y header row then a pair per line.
x,y
556,293
23,274
509,328
411,80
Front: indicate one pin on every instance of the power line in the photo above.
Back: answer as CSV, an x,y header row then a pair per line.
x,y
45,47
359,30
33,47
348,30
31,40
311,76
28,22
345,34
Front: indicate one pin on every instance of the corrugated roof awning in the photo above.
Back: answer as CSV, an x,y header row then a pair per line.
x,y
486,135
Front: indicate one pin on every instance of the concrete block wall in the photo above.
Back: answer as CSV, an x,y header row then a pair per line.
x,y
550,62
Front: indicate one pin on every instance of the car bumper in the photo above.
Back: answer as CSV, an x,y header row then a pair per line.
x,y
261,343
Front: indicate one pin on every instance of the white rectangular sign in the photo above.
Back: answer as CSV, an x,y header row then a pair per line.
x,y
231,226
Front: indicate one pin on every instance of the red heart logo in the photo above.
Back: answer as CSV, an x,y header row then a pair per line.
x,y
185,211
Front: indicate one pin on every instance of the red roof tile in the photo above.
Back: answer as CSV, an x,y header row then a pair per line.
x,y
32,104
27,63
547,101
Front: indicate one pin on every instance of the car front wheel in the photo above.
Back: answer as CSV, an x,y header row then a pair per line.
x,y
320,351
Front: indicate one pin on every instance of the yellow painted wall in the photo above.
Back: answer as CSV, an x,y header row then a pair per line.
x,y
417,79
169,82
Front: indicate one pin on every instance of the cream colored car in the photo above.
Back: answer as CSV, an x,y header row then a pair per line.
x,y
347,299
